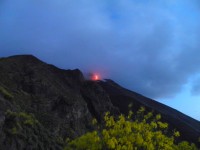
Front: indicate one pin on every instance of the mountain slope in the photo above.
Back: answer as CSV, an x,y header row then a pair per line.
x,y
121,97
61,100
41,105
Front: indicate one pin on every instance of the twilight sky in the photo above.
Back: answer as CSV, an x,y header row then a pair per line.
x,y
149,46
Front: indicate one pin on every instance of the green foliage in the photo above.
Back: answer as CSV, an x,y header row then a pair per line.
x,y
144,131
89,140
22,117
186,146
14,131
5,93
24,130
17,120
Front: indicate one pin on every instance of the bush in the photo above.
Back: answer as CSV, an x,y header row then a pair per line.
x,y
140,132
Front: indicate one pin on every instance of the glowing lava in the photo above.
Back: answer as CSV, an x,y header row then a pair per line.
x,y
95,77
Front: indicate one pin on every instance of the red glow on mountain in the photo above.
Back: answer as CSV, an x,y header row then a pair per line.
x,y
95,77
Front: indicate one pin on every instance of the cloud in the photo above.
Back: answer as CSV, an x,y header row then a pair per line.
x,y
196,87
148,47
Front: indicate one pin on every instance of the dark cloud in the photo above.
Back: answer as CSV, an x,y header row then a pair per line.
x,y
147,47
196,87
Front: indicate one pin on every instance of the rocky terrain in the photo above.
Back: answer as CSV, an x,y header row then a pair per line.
x,y
42,105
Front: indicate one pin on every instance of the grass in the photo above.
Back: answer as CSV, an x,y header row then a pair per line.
x,y
5,93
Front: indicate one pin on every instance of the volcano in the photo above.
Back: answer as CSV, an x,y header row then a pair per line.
x,y
64,103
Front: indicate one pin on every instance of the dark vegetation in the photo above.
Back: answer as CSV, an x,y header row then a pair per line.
x,y
22,130
41,106
5,93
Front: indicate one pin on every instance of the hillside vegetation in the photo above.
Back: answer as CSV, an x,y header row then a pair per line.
x,y
140,131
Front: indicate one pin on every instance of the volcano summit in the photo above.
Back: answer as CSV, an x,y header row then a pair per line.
x,y
41,104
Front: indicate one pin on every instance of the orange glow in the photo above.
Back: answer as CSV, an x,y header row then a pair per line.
x,y
95,77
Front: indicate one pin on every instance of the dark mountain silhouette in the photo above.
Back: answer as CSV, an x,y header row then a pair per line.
x,y
40,105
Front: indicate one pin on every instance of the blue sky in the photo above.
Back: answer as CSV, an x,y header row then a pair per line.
x,y
149,46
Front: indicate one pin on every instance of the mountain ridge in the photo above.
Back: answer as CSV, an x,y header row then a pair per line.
x,y
149,99
65,103
188,126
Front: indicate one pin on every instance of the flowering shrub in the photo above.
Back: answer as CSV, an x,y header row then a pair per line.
x,y
142,131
